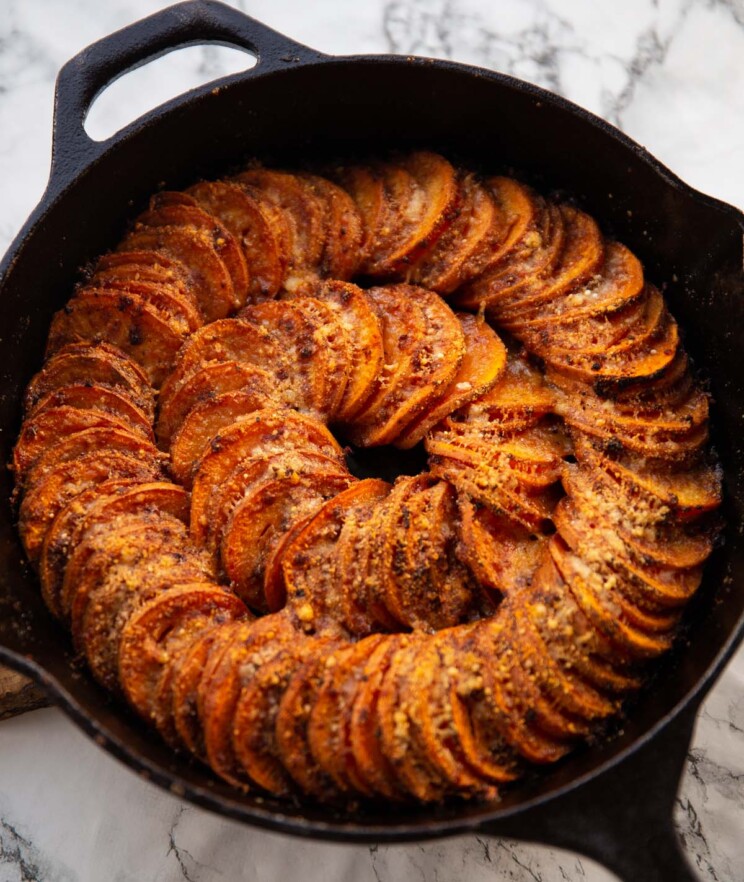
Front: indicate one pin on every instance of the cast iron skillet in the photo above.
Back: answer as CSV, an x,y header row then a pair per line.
x,y
612,802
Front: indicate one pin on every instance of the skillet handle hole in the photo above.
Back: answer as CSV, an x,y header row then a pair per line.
x,y
140,90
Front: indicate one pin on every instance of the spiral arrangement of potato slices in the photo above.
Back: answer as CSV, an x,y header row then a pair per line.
x,y
193,521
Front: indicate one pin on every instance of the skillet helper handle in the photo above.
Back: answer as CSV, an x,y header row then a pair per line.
x,y
97,66
623,818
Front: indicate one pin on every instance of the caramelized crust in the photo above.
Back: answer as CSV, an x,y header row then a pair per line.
x,y
429,639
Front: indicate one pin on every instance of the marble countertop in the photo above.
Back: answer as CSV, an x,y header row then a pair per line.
x,y
668,72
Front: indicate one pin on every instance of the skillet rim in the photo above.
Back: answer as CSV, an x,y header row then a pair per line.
x,y
64,178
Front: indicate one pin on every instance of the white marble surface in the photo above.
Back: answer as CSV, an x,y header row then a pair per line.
x,y
671,74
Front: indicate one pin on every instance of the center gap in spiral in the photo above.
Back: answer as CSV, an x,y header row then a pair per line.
x,y
387,462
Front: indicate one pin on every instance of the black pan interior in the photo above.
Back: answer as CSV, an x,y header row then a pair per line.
x,y
337,107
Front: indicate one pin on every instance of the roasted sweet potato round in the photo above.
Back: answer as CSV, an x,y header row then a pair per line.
x,y
423,640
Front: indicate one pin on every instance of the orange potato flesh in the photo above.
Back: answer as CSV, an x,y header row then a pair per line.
x,y
483,362
101,364
127,321
522,584
423,346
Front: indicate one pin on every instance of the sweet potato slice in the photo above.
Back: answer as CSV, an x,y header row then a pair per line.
x,y
89,441
547,716
217,687
403,328
254,722
46,429
650,397
103,545
332,339
154,276
305,213
61,484
165,716
57,544
295,707
154,496
649,429
665,389
162,628
274,588
63,532
100,365
149,266
562,685
221,342
294,465
571,638
178,310
531,460
364,337
176,213
476,722
204,422
365,185
425,700
683,451
129,582
424,585
315,565
197,250
187,671
309,579
101,399
258,521
590,533
491,487
365,575
464,248
529,266
315,346
243,654
651,357
424,347
483,362
649,584
502,555
164,301
687,415
518,214
370,762
595,597
582,256
437,180
508,701
328,724
343,229
415,772
689,494
253,224
645,524
620,361
420,201
520,398
203,385
592,333
266,433
614,284
97,315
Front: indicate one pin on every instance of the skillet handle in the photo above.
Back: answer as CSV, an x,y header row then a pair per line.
x,y
185,24
623,817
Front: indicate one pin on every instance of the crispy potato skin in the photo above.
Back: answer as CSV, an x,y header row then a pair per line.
x,y
316,635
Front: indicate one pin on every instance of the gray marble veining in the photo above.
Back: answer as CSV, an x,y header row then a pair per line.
x,y
671,74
